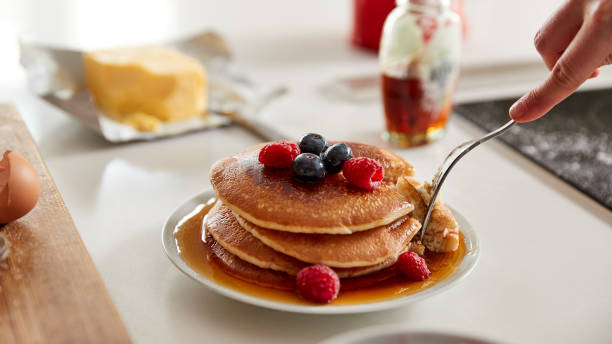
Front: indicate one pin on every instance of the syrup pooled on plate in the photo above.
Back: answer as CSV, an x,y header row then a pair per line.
x,y
188,235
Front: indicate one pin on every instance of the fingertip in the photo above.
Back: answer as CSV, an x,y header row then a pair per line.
x,y
525,109
517,110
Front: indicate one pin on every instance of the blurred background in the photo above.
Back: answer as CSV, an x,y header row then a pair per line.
x,y
270,37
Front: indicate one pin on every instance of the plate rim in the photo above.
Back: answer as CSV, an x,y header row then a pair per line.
x,y
169,246
373,332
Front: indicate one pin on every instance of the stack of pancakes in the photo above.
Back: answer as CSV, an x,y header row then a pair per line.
x,y
266,226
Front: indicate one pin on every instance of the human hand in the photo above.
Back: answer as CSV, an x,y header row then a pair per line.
x,y
573,43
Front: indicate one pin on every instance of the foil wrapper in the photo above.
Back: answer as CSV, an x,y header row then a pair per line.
x,y
56,75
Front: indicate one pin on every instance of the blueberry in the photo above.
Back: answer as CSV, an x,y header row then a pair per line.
x,y
312,143
308,167
335,156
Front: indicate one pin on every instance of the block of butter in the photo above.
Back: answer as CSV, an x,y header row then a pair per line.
x,y
147,85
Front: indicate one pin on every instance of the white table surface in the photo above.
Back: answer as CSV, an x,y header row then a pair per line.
x,y
545,272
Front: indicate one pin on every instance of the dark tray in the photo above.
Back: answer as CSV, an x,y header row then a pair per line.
x,y
574,141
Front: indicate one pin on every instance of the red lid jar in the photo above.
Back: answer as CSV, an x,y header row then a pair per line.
x,y
368,19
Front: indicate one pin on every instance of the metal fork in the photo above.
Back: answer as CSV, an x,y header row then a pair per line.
x,y
4,247
450,162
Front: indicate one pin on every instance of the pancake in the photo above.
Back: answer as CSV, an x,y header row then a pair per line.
x,y
366,248
408,187
248,272
272,198
223,226
442,233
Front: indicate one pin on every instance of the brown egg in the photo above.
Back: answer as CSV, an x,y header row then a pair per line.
x,y
19,187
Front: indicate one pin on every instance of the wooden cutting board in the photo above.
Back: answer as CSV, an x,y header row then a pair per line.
x,y
50,290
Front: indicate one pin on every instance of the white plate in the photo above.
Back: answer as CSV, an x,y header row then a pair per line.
x,y
393,334
169,244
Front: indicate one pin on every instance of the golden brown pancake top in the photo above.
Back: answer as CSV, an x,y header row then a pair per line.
x,y
223,226
272,198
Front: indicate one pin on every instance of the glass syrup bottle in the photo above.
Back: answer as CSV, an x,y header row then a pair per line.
x,y
419,59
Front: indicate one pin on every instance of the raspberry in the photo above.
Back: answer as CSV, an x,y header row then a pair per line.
x,y
279,154
365,173
318,283
413,266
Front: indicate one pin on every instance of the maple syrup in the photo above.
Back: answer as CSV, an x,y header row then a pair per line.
x,y
412,116
188,237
